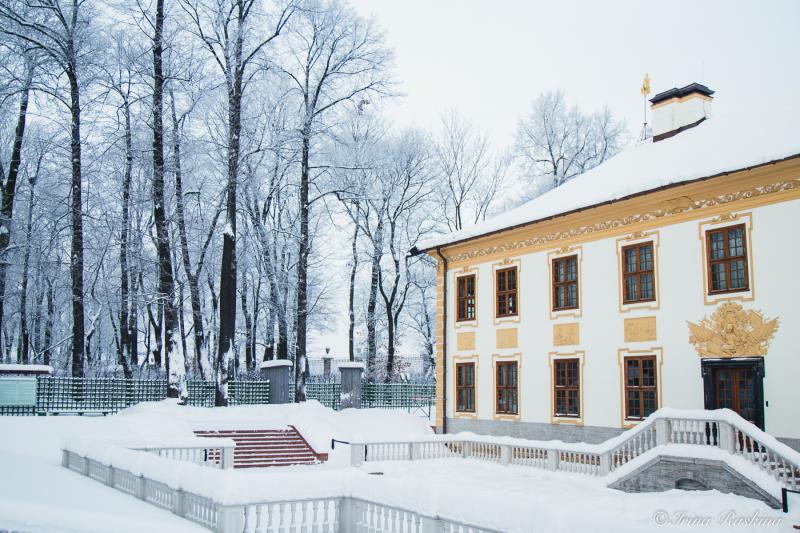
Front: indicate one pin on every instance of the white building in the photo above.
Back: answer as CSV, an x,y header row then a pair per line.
x,y
667,276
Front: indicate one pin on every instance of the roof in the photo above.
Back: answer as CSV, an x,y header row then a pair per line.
x,y
683,91
726,143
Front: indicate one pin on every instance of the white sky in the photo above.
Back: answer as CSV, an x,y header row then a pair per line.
x,y
488,59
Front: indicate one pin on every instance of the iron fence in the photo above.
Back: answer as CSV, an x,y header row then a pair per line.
x,y
103,395
248,392
200,393
397,395
325,392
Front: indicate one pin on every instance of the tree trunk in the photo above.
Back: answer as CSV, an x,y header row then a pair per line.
x,y
166,280
351,300
248,328
191,277
300,369
10,186
48,326
375,271
24,333
124,342
76,251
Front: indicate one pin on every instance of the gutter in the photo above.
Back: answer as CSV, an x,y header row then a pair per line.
x,y
444,338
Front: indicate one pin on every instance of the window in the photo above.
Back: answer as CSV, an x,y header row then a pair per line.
x,y
640,387
466,298
465,387
506,289
507,387
638,269
565,283
567,388
726,249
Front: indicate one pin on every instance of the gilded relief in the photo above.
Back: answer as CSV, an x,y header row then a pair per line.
x,y
507,338
732,331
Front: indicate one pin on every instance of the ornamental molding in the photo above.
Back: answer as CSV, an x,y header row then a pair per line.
x,y
640,329
666,208
732,331
566,334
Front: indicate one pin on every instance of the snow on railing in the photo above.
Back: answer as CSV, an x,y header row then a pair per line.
x,y
721,429
213,454
324,515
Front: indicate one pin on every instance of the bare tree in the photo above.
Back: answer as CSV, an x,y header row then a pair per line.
x,y
58,29
555,142
335,57
470,177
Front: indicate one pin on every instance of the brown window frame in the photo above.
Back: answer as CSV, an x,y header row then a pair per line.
x,y
506,388
638,273
465,299
566,283
464,389
566,387
505,295
727,260
641,388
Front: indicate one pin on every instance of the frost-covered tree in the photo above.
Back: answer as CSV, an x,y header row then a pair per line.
x,y
556,142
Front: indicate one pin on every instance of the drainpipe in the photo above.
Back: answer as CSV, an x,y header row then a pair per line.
x,y
444,341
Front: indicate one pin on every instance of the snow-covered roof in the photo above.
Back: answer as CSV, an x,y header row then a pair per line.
x,y
275,362
724,143
25,369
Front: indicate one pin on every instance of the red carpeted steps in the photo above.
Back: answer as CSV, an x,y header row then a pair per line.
x,y
258,448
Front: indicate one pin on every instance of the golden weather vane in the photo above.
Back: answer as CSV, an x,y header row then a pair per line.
x,y
645,90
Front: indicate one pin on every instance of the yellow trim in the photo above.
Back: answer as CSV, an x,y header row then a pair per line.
x,y
765,185
658,352
628,240
460,359
722,221
507,263
506,359
566,251
552,356
467,270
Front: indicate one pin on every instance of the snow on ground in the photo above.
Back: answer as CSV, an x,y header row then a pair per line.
x,y
37,494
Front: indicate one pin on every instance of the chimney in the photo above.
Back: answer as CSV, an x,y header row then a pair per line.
x,y
676,110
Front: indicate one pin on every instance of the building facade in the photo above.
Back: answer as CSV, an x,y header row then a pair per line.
x,y
583,311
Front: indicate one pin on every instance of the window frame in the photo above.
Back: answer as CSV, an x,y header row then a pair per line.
x,y
555,284
465,387
506,293
727,260
640,388
506,388
465,299
638,272
566,387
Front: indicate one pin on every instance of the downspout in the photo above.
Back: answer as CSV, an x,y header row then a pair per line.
x,y
444,339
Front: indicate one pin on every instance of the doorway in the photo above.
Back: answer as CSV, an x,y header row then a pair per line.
x,y
735,384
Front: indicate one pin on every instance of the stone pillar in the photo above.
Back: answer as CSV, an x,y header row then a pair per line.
x,y
279,374
326,366
351,385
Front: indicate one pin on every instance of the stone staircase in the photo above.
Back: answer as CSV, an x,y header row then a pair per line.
x,y
260,448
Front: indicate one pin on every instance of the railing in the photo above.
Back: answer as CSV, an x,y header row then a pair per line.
x,y
337,514
213,454
720,429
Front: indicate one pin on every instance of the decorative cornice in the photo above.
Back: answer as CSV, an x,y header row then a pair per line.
x,y
665,208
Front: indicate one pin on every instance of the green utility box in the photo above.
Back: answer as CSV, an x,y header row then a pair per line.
x,y
18,395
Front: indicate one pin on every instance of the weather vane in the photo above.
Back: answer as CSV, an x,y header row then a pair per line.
x,y
645,90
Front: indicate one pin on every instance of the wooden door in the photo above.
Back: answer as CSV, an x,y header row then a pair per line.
x,y
736,386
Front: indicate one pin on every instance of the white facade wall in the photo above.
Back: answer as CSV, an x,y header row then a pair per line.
x,y
775,285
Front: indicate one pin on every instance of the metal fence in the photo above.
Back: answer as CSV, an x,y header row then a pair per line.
x,y
103,395
327,393
200,393
253,392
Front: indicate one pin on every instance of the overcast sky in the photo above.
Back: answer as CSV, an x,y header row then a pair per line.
x,y
489,59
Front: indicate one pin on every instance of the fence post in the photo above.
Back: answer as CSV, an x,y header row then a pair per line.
x,y
178,502
552,459
110,476
226,456
727,437
358,453
350,395
140,488
85,466
505,454
279,374
65,458
416,451
347,515
467,450
605,463
663,430
230,518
